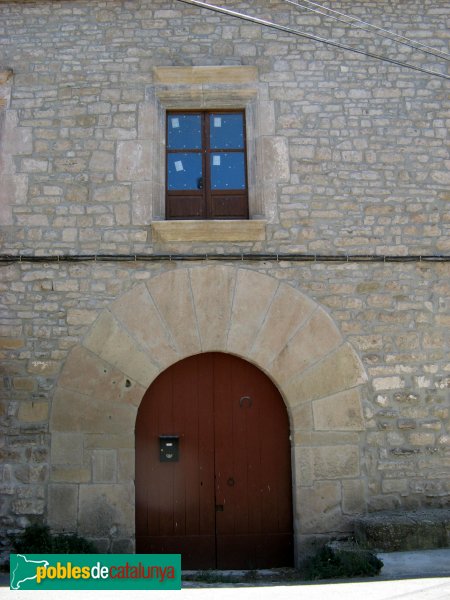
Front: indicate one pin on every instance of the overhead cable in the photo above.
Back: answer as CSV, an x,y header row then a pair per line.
x,y
365,26
8,259
292,30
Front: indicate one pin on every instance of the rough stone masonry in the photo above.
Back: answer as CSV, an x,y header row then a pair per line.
x,y
347,155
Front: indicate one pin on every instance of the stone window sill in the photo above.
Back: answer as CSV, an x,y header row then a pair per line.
x,y
209,231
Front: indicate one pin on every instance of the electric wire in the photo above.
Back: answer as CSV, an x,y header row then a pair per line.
x,y
8,259
370,28
292,30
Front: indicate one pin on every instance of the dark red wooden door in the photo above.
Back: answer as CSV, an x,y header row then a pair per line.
x,y
226,502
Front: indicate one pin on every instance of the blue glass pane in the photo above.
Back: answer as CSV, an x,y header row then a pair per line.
x,y
184,132
226,131
184,171
227,171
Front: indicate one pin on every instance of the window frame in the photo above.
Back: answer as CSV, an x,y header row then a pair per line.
x,y
206,203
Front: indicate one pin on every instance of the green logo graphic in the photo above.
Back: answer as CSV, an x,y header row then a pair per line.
x,y
95,572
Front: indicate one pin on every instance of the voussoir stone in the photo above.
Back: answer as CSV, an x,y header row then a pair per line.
x,y
212,290
172,295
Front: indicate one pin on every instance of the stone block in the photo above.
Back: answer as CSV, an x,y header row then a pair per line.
x,y
319,507
204,75
10,343
106,509
392,531
137,311
24,384
335,462
134,161
126,464
302,417
62,507
13,191
104,466
76,412
341,411
304,473
209,231
255,290
44,368
33,411
102,162
66,448
86,373
27,506
79,316
113,344
340,370
288,310
147,121
275,158
172,295
68,474
353,496
314,340
103,440
212,291
141,207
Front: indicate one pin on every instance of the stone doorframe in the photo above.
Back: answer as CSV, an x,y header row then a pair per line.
x,y
187,311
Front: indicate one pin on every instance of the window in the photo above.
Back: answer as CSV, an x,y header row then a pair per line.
x,y
206,171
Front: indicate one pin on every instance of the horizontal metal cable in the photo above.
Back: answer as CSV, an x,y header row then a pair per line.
x,y
292,30
369,27
235,256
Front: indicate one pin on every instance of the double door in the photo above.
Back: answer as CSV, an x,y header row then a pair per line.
x,y
213,474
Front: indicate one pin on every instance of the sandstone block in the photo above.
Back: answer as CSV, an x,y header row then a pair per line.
x,y
106,509
86,373
104,466
339,371
34,411
320,507
102,162
341,411
212,291
314,340
353,496
134,161
137,311
66,448
77,316
69,474
62,507
172,295
255,290
287,311
114,345
76,412
10,343
275,157
335,462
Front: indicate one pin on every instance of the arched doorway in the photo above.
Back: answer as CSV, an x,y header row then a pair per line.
x,y
213,466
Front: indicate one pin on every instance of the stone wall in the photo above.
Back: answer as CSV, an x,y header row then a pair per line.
x,y
363,159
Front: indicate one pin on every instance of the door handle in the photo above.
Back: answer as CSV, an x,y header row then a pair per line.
x,y
219,507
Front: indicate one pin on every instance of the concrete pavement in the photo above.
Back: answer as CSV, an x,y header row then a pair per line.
x,y
414,589
419,575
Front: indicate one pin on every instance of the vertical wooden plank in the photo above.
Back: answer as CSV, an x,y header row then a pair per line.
x,y
234,457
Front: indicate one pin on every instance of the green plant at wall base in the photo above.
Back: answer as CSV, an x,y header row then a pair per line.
x,y
37,539
334,564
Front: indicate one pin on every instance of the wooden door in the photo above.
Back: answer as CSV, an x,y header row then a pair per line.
x,y
226,501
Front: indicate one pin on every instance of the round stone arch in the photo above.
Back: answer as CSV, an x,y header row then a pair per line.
x,y
187,311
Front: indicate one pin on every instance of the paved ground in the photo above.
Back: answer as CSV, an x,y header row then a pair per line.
x,y
421,575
